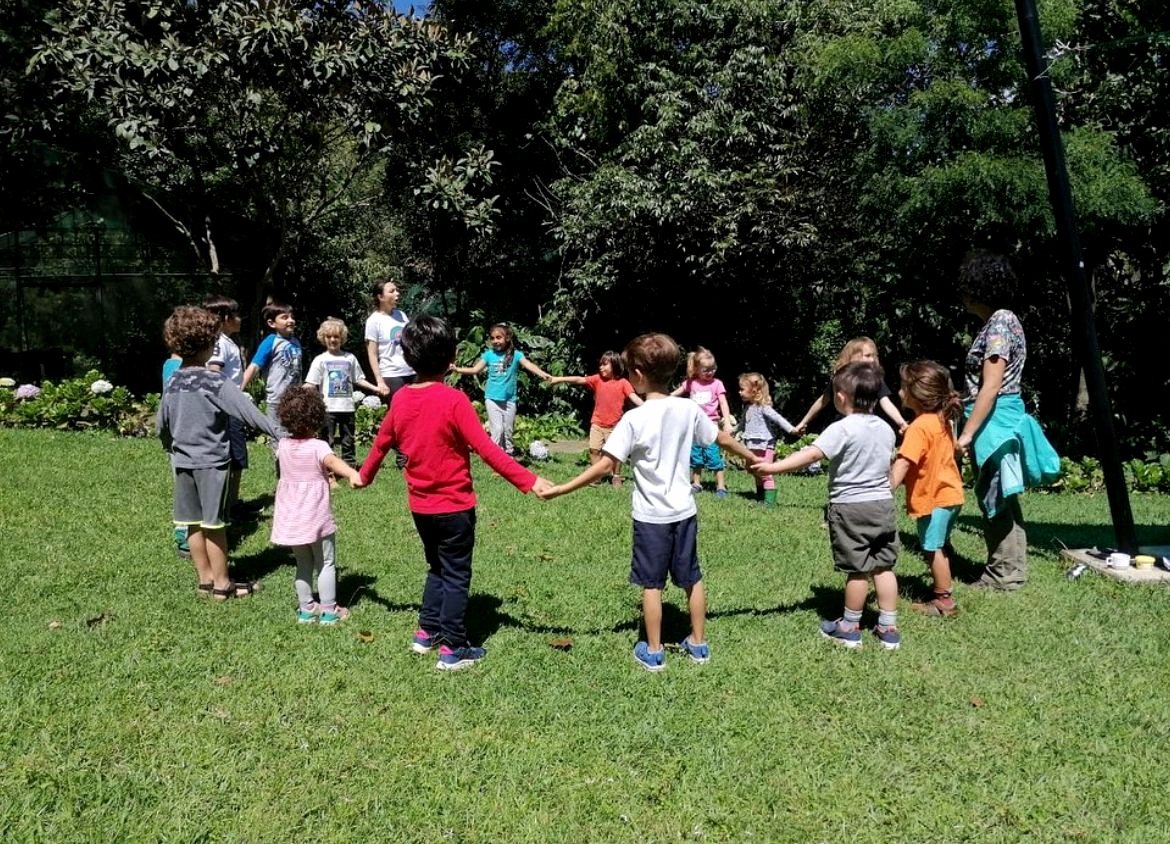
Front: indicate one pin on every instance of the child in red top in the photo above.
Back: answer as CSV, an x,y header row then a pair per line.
x,y
435,428
610,391
926,462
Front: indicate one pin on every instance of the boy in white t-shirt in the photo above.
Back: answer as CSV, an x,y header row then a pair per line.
x,y
862,527
656,439
335,373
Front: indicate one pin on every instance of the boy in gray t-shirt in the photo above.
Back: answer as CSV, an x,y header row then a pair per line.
x,y
193,426
862,527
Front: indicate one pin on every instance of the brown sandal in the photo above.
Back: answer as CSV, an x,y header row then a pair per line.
x,y
935,607
238,589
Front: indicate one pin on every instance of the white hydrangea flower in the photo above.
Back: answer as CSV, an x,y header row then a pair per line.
x,y
100,387
358,395
7,383
537,450
372,402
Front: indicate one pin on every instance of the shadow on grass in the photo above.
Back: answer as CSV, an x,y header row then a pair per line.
x,y
484,617
262,563
676,622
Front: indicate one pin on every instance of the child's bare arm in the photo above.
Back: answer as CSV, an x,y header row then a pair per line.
x,y
529,366
729,443
251,372
724,413
579,380
607,465
343,470
898,472
813,411
680,390
792,463
892,412
635,399
480,366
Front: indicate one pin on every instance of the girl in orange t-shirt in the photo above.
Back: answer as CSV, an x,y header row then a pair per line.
x,y
610,393
926,462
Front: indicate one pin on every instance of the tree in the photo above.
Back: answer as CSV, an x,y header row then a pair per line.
x,y
274,115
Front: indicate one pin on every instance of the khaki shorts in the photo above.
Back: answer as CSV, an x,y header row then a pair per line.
x,y
864,535
598,434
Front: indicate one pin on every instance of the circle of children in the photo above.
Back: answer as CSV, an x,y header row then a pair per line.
x,y
666,440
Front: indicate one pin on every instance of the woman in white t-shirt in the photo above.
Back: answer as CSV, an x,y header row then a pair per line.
x,y
383,348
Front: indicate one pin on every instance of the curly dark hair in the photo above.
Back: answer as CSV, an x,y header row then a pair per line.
x,y
302,412
988,277
190,331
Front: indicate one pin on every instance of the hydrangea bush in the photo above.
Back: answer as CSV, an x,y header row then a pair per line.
x,y
79,403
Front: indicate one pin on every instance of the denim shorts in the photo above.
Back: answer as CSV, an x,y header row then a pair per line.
x,y
659,549
934,531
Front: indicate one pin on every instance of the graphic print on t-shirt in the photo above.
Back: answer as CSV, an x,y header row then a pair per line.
x,y
338,379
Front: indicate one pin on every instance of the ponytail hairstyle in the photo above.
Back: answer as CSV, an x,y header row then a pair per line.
x,y
930,385
698,359
509,338
757,387
614,359
853,347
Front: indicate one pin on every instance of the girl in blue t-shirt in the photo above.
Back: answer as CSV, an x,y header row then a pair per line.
x,y
502,362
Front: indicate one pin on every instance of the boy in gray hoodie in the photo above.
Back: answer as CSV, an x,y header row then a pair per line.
x,y
193,425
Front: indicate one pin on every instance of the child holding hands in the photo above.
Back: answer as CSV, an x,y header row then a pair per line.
x,y
926,462
193,425
610,393
762,426
657,439
710,395
502,362
435,428
862,529
335,373
302,516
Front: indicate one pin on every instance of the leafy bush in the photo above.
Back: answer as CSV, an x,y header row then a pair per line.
x,y
76,404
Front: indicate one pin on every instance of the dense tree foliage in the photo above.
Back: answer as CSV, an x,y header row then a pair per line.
x,y
764,177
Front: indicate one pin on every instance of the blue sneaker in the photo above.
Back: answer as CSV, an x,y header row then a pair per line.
x,y
697,653
181,546
333,615
720,493
648,659
308,615
454,659
842,632
889,637
423,642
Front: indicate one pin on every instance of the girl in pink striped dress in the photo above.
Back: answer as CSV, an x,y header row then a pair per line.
x,y
302,517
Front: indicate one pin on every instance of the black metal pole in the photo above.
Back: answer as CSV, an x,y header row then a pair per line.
x,y
1084,332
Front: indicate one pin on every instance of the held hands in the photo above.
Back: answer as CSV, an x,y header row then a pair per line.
x,y
761,467
383,390
544,489
800,429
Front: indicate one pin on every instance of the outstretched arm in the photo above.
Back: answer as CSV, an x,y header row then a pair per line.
x,y
529,366
607,465
579,380
729,443
251,372
343,470
680,390
892,411
792,463
813,412
480,366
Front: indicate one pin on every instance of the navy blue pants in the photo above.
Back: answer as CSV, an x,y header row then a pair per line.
x,y
448,541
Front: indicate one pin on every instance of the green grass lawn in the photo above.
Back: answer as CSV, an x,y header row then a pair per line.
x,y
134,710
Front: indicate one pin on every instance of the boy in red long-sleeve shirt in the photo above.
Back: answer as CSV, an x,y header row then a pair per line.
x,y
435,427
